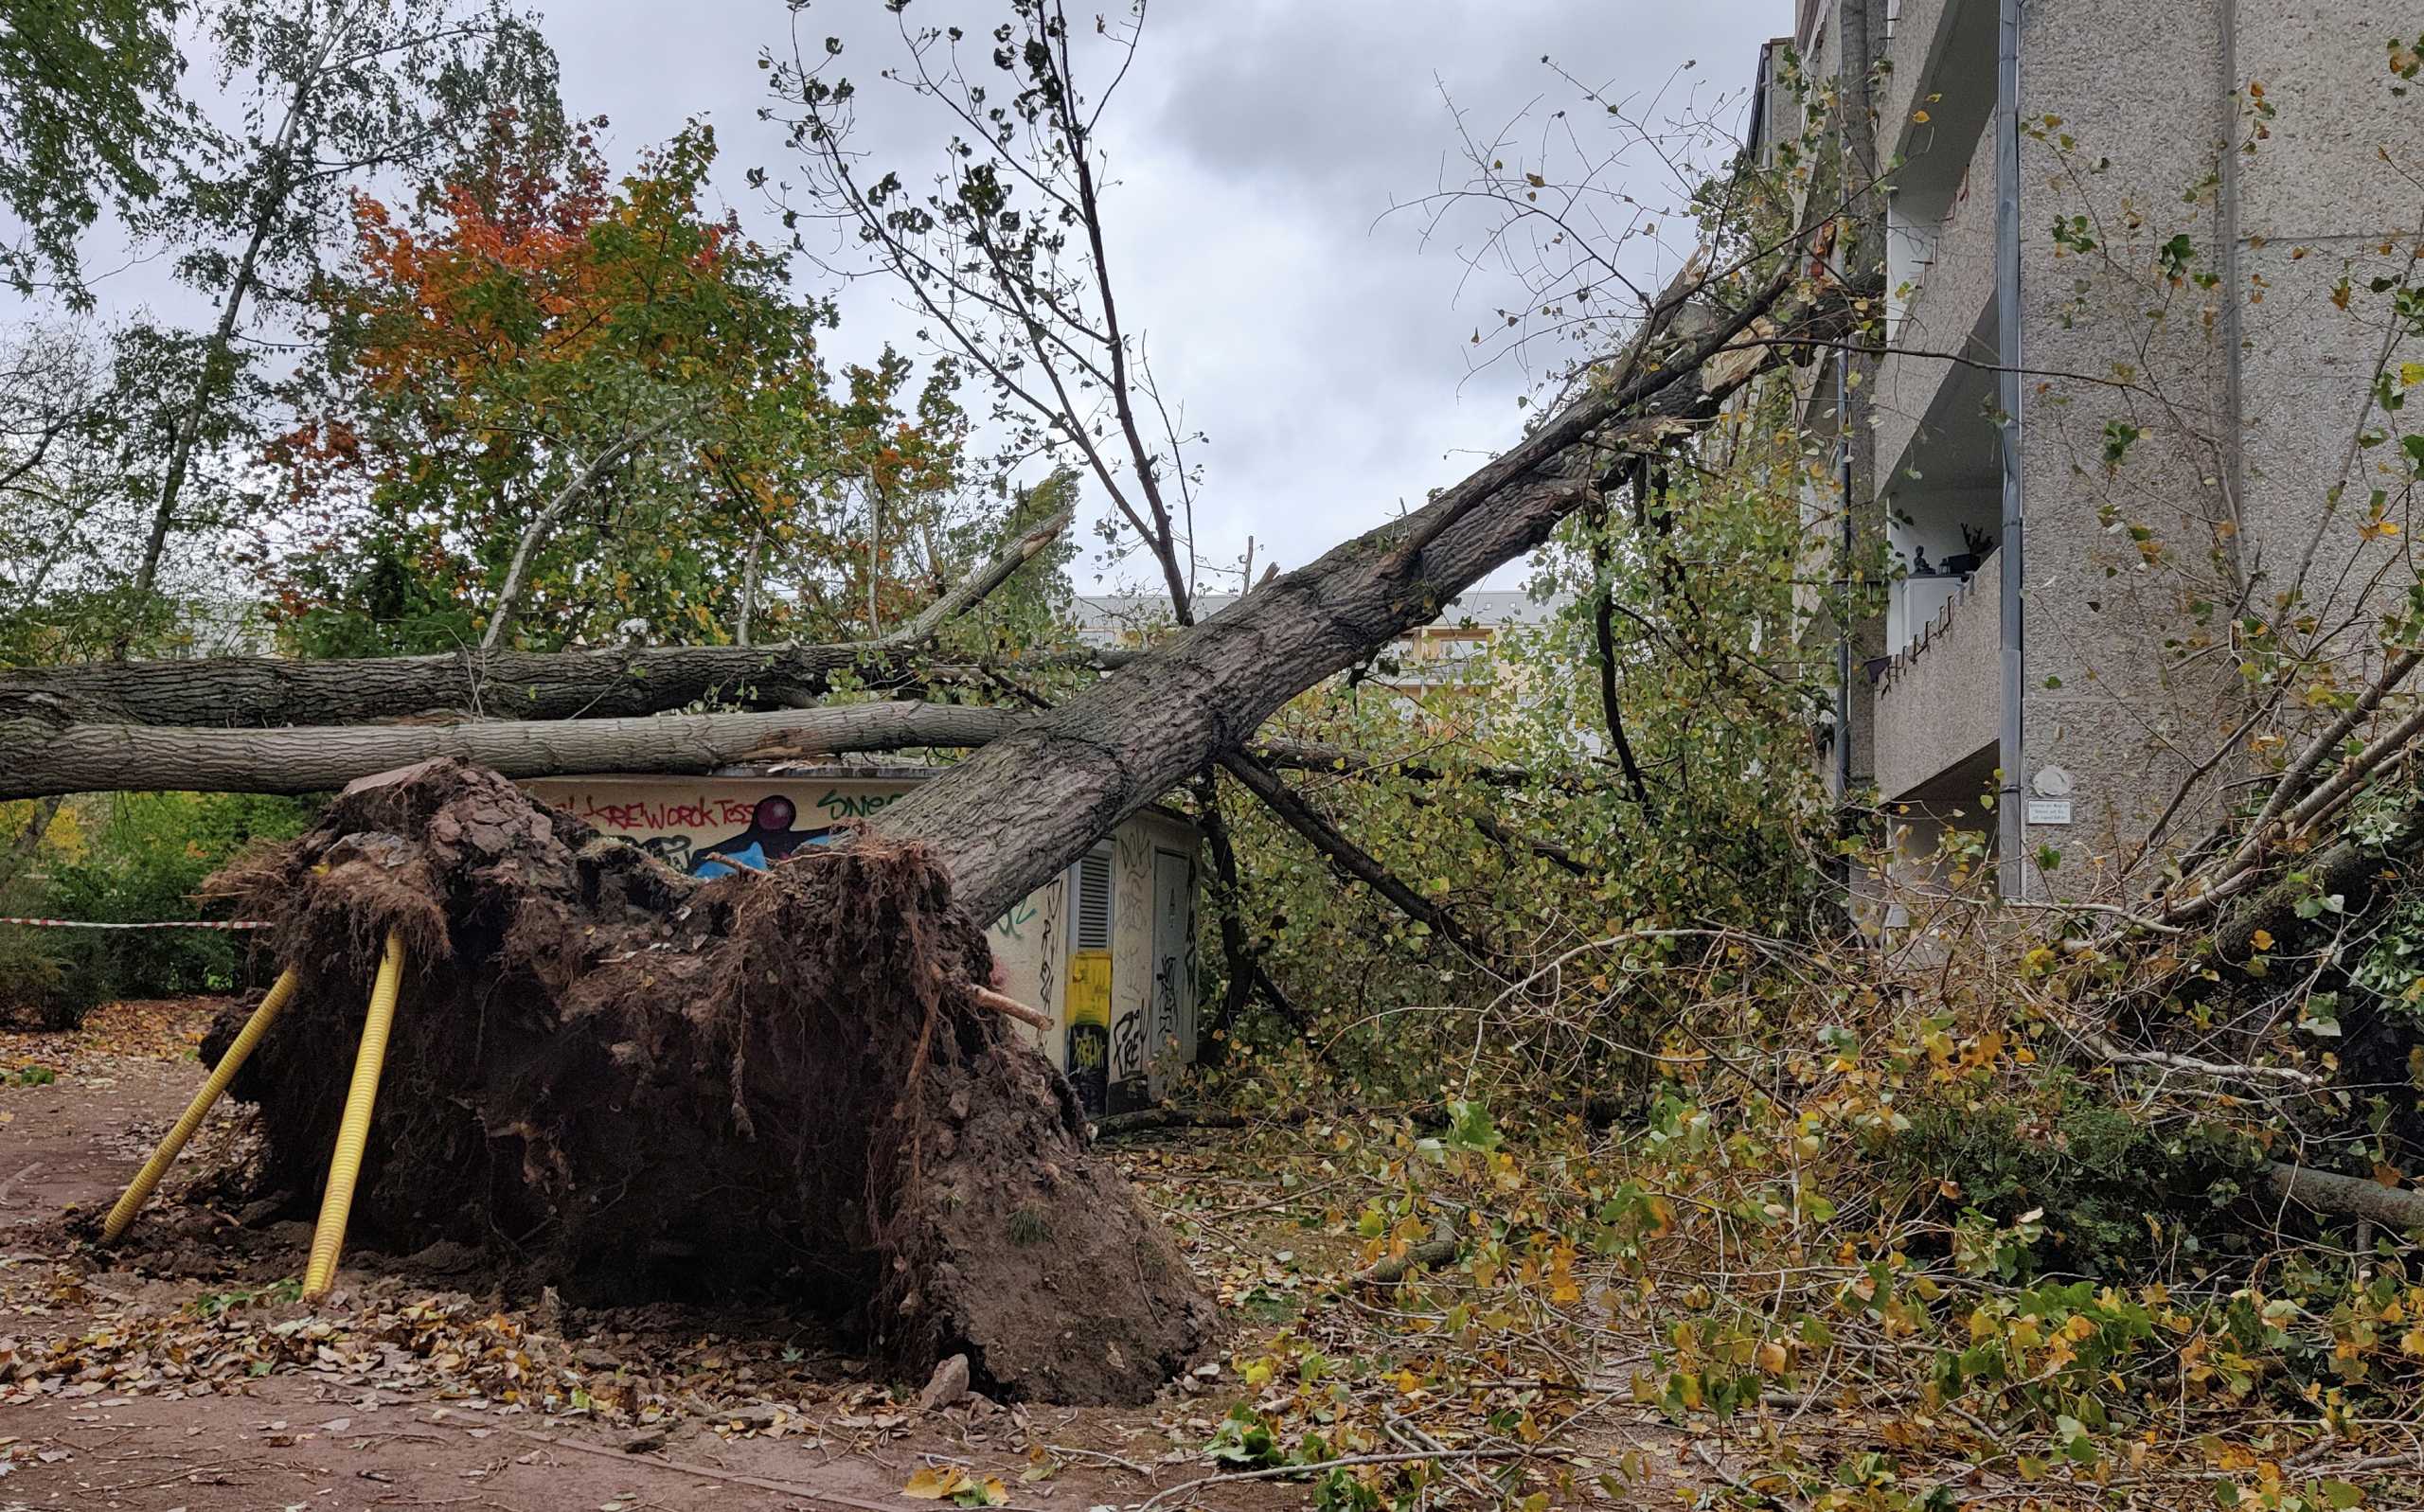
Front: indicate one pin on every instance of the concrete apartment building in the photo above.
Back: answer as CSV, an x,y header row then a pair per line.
x,y
2125,372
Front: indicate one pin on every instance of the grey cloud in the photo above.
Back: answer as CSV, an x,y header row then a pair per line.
x,y
1254,146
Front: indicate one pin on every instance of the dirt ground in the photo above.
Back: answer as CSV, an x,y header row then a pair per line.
x,y
181,1373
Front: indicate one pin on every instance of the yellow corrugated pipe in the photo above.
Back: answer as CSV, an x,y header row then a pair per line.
x,y
344,1166
139,1191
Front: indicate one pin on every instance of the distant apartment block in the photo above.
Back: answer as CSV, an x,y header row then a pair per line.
x,y
1426,658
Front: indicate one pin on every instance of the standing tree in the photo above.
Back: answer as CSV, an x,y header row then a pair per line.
x,y
94,118
1001,249
331,93
554,405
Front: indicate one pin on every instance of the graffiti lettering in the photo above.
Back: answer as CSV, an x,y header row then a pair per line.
x,y
693,814
1085,1054
840,805
1047,989
1128,1048
1165,1005
675,850
1011,923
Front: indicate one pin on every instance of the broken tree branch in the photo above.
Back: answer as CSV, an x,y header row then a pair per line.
x,y
1603,633
1324,837
1320,756
2291,805
2399,1208
986,997
1237,951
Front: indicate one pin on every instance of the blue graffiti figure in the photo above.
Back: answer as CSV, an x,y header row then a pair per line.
x,y
769,838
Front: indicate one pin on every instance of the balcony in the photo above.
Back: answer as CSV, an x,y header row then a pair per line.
x,y
1939,698
1936,107
1942,318
1943,57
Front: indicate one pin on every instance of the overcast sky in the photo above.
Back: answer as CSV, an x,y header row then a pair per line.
x,y
1321,346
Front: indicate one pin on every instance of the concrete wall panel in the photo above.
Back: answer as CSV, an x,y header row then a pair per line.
x,y
2324,66
1938,703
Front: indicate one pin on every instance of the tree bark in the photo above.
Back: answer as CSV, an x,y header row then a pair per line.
x,y
37,757
602,683
2400,1208
1014,815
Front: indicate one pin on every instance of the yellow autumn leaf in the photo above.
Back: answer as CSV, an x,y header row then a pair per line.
x,y
2261,939
934,1483
1920,117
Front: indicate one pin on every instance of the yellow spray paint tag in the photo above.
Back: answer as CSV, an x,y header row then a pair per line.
x,y
1089,988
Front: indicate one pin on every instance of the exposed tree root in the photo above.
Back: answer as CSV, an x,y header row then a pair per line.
x,y
631,1084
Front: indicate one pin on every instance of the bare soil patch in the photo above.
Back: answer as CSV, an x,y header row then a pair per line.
x,y
180,1371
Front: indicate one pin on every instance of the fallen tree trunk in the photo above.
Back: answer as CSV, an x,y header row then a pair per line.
x,y
39,758
1028,804
630,1084
592,684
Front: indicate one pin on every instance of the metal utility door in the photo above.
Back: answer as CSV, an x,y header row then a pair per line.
x,y
1173,1019
1087,1010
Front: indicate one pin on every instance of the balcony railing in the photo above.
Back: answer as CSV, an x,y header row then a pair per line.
x,y
1939,698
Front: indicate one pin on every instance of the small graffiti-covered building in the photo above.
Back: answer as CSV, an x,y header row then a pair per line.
x,y
1107,949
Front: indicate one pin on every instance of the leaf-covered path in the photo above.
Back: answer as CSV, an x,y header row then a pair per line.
x,y
184,1372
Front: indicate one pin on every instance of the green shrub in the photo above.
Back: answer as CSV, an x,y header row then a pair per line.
x,y
2110,1192
144,859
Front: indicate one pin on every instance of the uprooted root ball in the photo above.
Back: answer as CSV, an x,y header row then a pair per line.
x,y
632,1084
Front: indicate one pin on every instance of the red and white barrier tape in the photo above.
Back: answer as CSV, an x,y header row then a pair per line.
x,y
175,923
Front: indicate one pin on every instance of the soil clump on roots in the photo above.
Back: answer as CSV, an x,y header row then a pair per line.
x,y
634,1085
